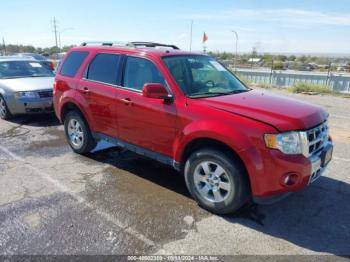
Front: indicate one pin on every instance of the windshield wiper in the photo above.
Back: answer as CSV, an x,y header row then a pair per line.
x,y
208,94
237,91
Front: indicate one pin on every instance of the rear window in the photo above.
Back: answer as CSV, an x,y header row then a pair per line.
x,y
104,68
72,63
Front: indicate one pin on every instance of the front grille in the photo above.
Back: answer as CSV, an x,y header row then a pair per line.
x,y
44,94
317,137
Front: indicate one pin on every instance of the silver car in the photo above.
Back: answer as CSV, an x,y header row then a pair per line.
x,y
25,87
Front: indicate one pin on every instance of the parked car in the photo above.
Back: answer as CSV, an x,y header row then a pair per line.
x,y
25,87
231,143
43,59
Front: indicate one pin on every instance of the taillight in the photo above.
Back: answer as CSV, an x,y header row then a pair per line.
x,y
51,66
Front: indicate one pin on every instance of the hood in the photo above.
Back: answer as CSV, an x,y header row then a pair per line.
x,y
28,83
283,113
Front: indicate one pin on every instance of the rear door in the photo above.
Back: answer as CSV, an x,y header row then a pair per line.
x,y
99,87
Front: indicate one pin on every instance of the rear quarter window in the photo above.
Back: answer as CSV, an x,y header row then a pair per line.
x,y
72,63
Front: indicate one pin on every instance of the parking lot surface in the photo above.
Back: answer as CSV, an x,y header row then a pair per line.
x,y
111,201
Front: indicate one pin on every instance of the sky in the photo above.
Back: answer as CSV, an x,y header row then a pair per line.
x,y
271,26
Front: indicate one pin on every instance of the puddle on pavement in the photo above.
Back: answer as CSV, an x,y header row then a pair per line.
x,y
150,197
15,131
56,138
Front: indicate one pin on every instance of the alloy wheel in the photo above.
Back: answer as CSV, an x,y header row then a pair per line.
x,y
212,181
3,109
75,133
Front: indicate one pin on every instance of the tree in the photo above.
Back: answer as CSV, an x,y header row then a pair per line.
x,y
281,58
303,59
292,58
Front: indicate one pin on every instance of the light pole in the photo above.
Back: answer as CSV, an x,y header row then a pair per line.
x,y
236,51
191,32
59,35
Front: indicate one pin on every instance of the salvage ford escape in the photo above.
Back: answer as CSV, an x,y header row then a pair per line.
x,y
232,144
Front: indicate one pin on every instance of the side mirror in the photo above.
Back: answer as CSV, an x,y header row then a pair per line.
x,y
155,90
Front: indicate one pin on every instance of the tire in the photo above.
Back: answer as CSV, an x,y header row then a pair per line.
x,y
78,133
5,113
217,182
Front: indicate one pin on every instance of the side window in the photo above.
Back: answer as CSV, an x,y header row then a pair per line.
x,y
139,71
104,68
72,63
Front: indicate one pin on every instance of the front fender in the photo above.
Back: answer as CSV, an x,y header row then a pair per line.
x,y
236,138
215,130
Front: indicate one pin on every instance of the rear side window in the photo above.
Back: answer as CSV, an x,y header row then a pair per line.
x,y
104,68
139,71
72,63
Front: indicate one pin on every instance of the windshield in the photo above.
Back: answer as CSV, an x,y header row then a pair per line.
x,y
202,76
22,69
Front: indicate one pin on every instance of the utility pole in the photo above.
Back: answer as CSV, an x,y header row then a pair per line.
x,y
191,31
271,73
328,82
4,46
55,31
236,50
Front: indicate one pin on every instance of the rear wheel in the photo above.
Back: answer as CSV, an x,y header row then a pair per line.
x,y
4,111
218,182
78,133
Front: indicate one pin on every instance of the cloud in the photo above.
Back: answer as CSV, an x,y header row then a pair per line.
x,y
281,15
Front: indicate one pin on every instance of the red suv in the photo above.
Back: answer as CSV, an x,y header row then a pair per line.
x,y
232,144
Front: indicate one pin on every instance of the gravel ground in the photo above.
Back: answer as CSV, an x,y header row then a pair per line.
x,y
54,202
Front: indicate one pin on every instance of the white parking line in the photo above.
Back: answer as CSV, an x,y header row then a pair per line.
x,y
80,199
341,159
339,116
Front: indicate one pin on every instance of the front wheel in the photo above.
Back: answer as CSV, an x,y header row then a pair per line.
x,y
78,133
217,182
4,111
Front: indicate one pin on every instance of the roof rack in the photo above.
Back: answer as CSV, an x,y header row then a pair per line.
x,y
130,44
103,43
151,44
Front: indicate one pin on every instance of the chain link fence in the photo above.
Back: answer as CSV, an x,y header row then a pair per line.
x,y
336,82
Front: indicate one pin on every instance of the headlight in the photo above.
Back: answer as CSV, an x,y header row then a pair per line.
x,y
26,94
291,143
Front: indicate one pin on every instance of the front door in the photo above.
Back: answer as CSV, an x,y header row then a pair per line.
x,y
144,122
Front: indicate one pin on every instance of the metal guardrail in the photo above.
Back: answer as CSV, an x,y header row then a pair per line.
x,y
336,82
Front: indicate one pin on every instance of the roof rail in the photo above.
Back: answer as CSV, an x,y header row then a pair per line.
x,y
151,44
103,43
130,44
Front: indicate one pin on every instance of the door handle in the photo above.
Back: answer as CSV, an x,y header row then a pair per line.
x,y
126,101
86,90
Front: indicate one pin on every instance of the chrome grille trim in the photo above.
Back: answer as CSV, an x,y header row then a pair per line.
x,y
316,137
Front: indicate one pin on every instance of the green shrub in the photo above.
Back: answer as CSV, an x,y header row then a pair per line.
x,y
278,65
301,87
264,85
